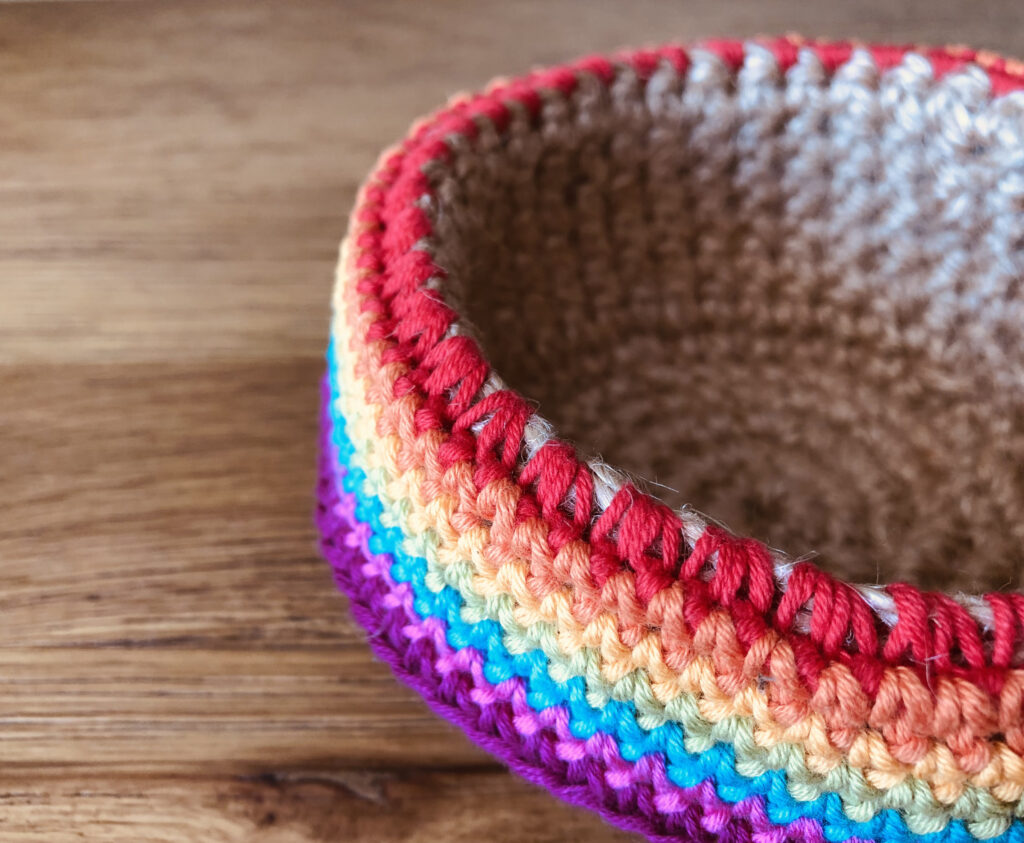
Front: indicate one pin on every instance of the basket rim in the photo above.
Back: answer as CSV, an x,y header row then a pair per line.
x,y
497,429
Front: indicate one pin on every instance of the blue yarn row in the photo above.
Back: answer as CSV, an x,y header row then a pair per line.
x,y
617,719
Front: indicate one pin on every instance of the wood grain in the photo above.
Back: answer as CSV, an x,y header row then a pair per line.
x,y
174,178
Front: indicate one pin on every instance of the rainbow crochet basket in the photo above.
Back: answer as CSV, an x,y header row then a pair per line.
x,y
783,279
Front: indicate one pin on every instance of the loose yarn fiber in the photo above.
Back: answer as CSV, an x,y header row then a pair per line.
x,y
785,279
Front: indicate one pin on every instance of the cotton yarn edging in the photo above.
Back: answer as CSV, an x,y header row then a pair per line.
x,y
684,682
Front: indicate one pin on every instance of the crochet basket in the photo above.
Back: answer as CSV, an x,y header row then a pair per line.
x,y
780,281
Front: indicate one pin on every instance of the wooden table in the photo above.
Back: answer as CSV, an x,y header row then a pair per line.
x,y
175,663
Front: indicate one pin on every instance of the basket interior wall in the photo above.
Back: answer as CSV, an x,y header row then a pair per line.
x,y
793,302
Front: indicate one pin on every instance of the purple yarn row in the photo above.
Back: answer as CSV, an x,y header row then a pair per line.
x,y
539,746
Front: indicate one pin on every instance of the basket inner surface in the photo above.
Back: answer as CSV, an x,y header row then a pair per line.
x,y
793,300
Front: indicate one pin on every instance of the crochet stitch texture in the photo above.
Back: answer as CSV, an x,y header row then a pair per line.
x,y
638,242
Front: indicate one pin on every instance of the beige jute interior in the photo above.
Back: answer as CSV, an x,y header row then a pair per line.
x,y
789,301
